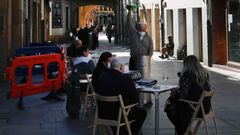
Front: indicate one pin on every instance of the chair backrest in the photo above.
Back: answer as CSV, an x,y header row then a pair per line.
x,y
198,106
122,112
106,99
85,78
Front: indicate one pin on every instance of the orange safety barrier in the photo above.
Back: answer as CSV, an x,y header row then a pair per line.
x,y
29,64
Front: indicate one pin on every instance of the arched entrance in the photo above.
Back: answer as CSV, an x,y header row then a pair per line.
x,y
116,6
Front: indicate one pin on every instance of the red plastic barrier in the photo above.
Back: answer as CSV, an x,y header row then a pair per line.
x,y
47,84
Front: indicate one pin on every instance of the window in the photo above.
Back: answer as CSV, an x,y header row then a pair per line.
x,y
234,31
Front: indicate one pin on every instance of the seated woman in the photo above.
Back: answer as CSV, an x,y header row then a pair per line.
x,y
194,79
102,66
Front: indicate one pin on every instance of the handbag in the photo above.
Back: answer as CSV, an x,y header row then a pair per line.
x,y
171,103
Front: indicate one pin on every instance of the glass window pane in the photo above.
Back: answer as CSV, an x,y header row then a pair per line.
x,y
234,30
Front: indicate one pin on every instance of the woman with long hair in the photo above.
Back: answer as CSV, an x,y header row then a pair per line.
x,y
102,66
194,79
193,74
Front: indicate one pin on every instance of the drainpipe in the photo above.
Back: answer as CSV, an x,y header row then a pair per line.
x,y
209,32
162,23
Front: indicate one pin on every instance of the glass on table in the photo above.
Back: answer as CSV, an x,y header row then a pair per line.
x,y
165,78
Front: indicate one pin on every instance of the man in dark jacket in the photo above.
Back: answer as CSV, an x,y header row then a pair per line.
x,y
83,65
112,83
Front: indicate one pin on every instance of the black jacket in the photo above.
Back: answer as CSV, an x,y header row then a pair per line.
x,y
112,83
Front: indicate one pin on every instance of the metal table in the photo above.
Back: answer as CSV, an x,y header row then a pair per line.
x,y
156,91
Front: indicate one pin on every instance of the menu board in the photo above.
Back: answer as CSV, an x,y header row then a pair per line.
x,y
57,14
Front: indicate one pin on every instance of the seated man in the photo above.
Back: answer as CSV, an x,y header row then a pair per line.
x,y
112,83
82,64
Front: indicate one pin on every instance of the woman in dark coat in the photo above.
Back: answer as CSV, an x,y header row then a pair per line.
x,y
194,79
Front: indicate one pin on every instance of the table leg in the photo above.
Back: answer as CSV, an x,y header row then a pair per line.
x,y
156,114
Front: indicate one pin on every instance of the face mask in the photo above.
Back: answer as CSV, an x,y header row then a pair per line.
x,y
142,33
108,65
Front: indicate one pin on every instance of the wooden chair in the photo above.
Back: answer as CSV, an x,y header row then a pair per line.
x,y
198,106
89,91
123,112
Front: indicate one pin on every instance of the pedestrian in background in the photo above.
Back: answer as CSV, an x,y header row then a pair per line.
x,y
170,46
109,33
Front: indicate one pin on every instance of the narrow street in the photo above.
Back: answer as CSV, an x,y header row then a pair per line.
x,y
48,118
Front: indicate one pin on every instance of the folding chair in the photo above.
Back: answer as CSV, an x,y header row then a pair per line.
x,y
89,91
196,106
123,112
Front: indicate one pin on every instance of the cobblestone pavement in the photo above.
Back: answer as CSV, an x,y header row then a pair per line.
x,y
48,118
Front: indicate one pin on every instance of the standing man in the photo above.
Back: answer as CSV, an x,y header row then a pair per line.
x,y
141,45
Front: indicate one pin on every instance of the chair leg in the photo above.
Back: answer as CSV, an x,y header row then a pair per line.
x,y
215,124
86,100
128,126
197,127
104,130
188,128
206,126
118,130
94,129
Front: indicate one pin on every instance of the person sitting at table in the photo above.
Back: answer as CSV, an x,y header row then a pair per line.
x,y
72,50
114,82
82,65
194,79
102,65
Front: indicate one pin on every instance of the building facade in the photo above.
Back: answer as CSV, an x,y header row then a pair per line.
x,y
213,42
30,21
211,36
